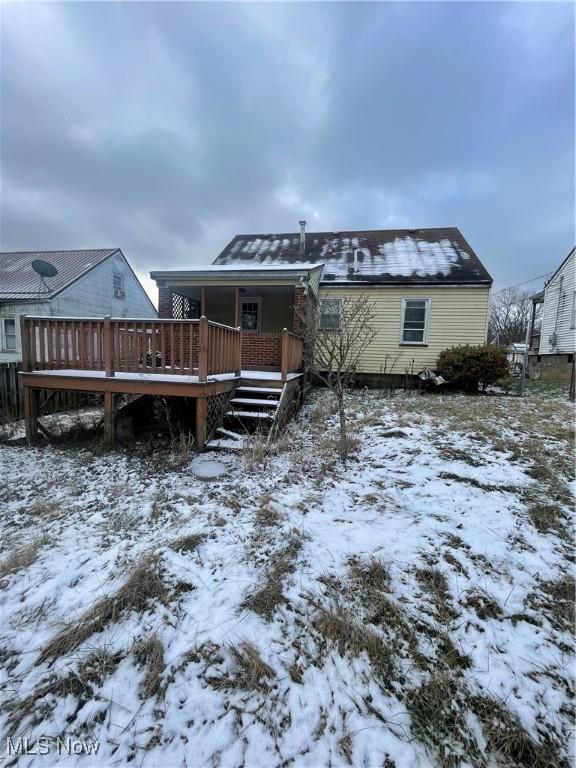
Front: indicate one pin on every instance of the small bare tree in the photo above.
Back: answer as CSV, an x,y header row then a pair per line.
x,y
336,332
509,316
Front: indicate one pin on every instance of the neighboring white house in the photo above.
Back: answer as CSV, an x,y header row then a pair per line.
x,y
553,324
90,283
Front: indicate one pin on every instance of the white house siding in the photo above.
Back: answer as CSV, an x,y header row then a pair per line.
x,y
90,296
559,310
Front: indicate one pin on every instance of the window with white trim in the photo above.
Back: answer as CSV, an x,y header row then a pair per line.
x,y
8,334
251,314
573,313
118,285
415,321
330,313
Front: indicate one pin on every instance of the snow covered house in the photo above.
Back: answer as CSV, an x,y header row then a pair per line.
x,y
553,325
88,283
430,291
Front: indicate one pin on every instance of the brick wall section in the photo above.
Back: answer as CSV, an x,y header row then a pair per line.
x,y
164,301
261,351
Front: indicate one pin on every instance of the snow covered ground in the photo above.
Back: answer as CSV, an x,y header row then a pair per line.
x,y
411,608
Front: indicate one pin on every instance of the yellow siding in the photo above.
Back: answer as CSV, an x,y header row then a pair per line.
x,y
457,316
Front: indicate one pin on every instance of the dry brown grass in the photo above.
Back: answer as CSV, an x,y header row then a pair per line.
x,y
188,543
370,573
435,584
249,671
337,627
149,653
266,600
557,601
92,671
438,719
508,742
483,604
22,557
142,587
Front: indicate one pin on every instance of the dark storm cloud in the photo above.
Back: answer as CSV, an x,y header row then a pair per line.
x,y
167,128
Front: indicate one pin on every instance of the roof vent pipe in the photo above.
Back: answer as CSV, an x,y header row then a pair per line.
x,y
302,237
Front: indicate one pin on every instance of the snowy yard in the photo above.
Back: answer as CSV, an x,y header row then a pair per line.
x,y
412,608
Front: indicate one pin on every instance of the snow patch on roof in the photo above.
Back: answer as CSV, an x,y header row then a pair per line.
x,y
407,257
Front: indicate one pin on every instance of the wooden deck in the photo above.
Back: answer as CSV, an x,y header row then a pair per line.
x,y
199,359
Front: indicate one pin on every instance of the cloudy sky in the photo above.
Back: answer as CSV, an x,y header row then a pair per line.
x,y
166,128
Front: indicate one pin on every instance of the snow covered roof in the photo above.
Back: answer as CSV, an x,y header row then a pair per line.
x,y
381,256
19,282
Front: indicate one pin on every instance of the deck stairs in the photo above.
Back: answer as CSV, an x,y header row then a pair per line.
x,y
252,408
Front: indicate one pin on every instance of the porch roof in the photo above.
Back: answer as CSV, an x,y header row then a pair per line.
x,y
238,274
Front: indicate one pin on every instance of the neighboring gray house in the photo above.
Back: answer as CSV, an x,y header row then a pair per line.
x,y
90,283
553,325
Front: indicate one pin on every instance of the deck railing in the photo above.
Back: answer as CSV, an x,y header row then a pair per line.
x,y
122,345
292,353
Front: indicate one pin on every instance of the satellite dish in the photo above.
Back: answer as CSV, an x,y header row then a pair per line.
x,y
44,268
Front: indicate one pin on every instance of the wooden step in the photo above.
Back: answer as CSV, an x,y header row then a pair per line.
x,y
225,445
253,401
259,390
229,434
250,414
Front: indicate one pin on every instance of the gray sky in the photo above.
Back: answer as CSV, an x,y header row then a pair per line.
x,y
165,129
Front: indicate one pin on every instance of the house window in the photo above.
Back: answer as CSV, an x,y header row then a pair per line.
x,y
415,321
118,284
330,312
251,314
573,314
9,334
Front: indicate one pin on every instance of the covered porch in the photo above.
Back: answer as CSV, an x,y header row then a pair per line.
x,y
261,302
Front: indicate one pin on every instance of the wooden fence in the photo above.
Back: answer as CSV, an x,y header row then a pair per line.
x,y
12,404
181,347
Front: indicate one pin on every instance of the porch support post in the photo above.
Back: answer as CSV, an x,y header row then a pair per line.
x,y
202,301
109,420
284,373
31,414
200,422
203,350
237,306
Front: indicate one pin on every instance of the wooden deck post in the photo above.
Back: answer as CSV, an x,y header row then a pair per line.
x,y
108,347
239,365
203,349
109,420
202,301
25,345
31,414
200,422
284,369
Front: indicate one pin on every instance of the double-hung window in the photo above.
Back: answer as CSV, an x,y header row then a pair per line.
x,y
415,313
251,314
330,313
8,333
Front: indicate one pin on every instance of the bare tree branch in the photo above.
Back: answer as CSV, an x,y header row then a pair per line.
x,y
333,354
